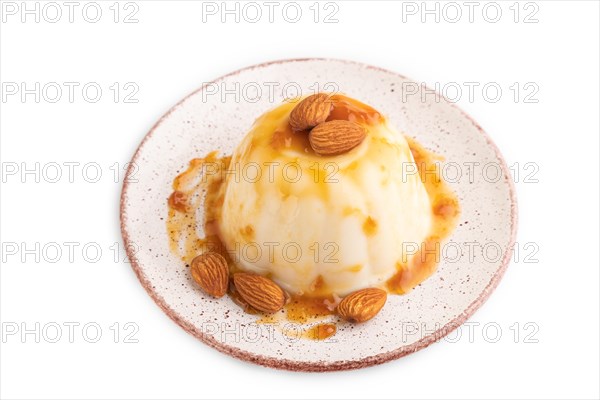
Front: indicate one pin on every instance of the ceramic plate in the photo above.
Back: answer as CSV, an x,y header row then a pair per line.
x,y
216,116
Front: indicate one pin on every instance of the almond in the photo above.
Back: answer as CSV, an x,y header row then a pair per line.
x,y
336,137
310,112
211,273
362,305
260,292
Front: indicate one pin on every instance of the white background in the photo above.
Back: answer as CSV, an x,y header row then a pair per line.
x,y
171,52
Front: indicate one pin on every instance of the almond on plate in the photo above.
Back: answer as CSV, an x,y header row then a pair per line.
x,y
362,305
211,273
261,293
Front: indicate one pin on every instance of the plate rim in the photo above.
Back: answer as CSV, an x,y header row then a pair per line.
x,y
320,366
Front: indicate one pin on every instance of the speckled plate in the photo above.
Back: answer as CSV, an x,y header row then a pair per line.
x,y
216,116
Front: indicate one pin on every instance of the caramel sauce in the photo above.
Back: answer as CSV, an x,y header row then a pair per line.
x,y
369,226
195,189
285,138
445,211
200,190
345,108
320,331
306,308
318,285
355,268
247,233
268,319
178,201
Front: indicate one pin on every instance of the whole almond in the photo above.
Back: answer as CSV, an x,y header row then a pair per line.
x,y
260,292
211,273
362,305
336,137
310,112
